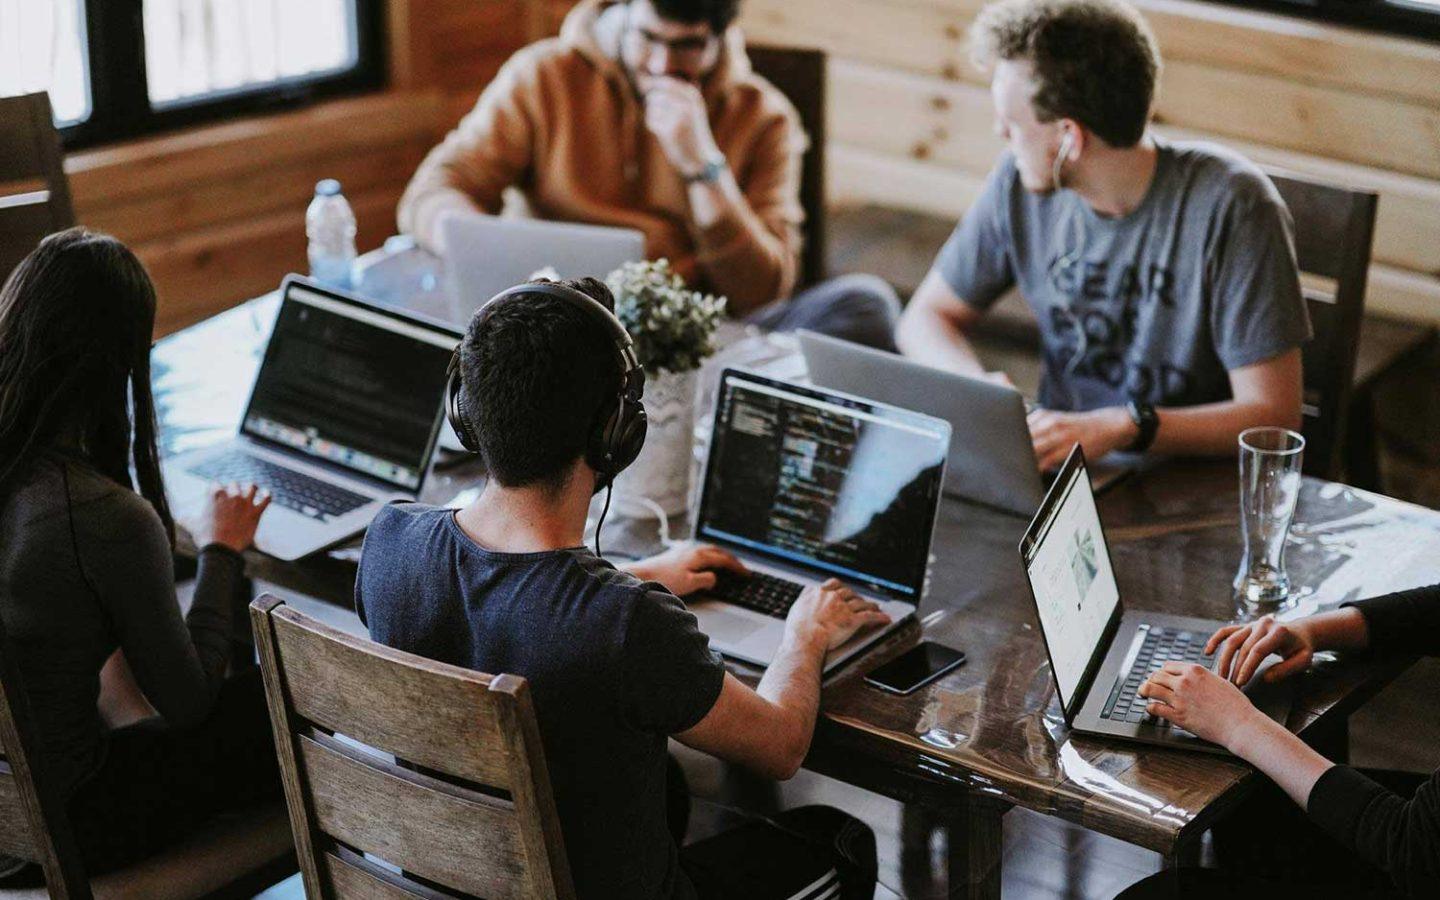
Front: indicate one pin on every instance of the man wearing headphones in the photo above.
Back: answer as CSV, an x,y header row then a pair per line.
x,y
1162,272
547,391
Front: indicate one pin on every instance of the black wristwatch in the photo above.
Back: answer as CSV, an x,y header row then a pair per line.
x,y
1145,419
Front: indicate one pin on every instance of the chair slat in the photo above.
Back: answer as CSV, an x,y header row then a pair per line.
x,y
430,829
15,836
440,717
351,881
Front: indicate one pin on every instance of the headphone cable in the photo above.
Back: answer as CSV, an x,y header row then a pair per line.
x,y
609,488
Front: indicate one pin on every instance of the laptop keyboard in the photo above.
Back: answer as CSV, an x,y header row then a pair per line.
x,y
308,496
763,593
1161,645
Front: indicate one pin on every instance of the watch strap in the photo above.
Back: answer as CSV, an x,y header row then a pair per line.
x,y
1147,421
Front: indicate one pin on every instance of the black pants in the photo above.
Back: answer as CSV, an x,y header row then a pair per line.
x,y
1268,847
809,853
158,784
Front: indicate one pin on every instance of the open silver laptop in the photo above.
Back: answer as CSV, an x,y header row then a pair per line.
x,y
484,255
805,485
1100,653
342,418
991,456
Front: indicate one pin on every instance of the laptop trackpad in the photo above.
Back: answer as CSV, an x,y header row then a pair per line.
x,y
728,628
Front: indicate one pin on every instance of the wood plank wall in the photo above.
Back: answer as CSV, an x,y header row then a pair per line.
x,y
911,123
217,213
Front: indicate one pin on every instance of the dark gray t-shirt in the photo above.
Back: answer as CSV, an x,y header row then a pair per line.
x,y
615,666
1157,305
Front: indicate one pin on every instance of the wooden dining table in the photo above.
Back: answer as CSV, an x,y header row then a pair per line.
x,y
989,736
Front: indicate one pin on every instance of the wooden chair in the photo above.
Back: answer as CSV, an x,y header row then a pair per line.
x,y
799,74
1334,228
34,192
236,857
406,777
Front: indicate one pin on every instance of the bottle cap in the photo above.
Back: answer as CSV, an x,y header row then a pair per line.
x,y
327,188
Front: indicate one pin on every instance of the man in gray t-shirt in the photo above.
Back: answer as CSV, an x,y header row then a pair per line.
x,y
1162,274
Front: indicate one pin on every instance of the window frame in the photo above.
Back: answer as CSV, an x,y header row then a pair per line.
x,y
120,105
1394,17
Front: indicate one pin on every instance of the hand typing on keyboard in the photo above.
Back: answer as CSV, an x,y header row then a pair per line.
x,y
829,614
230,516
686,568
1198,700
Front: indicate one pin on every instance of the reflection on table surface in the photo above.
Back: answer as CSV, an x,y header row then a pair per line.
x,y
993,726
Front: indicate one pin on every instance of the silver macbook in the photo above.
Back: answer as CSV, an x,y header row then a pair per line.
x,y
991,456
806,485
484,255
342,418
1100,653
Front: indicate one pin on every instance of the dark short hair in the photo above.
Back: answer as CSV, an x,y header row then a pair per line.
x,y
538,372
1095,61
718,14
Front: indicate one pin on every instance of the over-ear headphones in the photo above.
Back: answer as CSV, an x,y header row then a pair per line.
x,y
619,429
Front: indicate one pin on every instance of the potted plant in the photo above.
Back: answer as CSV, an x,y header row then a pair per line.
x,y
673,328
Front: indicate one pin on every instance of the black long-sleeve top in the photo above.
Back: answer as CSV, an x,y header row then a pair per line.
x,y
1400,836
85,567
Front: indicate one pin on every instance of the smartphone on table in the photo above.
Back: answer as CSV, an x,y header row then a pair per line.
x,y
915,668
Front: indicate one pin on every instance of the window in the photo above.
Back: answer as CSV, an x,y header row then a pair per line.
x,y
1410,18
117,69
42,47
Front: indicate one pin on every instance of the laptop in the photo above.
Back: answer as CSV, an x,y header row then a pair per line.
x,y
805,485
1100,652
342,418
484,255
991,456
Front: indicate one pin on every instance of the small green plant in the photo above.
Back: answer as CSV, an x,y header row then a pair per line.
x,y
672,326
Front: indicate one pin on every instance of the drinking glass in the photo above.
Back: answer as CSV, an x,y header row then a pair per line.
x,y
1269,486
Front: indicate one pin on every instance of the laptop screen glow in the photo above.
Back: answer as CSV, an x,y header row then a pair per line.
x,y
351,387
840,486
1074,586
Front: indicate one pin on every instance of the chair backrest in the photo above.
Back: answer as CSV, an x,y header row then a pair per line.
x,y
435,771
799,74
34,192
33,823
1334,228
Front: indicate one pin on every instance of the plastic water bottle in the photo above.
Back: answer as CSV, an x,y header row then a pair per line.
x,y
330,226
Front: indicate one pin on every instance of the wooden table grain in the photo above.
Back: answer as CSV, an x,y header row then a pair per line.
x,y
988,736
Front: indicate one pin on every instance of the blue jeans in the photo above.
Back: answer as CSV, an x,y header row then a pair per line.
x,y
858,308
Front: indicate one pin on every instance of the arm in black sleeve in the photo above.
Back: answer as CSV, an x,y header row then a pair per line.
x,y
1404,622
178,663
1400,836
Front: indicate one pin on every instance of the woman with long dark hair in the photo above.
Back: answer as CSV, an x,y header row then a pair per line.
x,y
87,572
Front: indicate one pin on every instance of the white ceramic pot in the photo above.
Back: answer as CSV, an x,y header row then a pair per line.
x,y
661,474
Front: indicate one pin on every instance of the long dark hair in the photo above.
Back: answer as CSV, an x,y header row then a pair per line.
x,y
75,322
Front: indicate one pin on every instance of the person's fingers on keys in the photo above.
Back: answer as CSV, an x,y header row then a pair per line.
x,y
712,557
1257,632
263,501
1274,641
699,581
1229,647
1220,635
1154,690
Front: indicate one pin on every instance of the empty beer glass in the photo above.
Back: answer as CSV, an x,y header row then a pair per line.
x,y
1269,486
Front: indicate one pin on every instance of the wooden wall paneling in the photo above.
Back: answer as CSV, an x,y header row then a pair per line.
x,y
930,34
201,273
1281,111
220,201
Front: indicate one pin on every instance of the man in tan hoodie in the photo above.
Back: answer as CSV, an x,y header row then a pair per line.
x,y
646,114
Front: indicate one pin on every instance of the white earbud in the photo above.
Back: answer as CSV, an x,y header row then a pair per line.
x,y
1067,143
